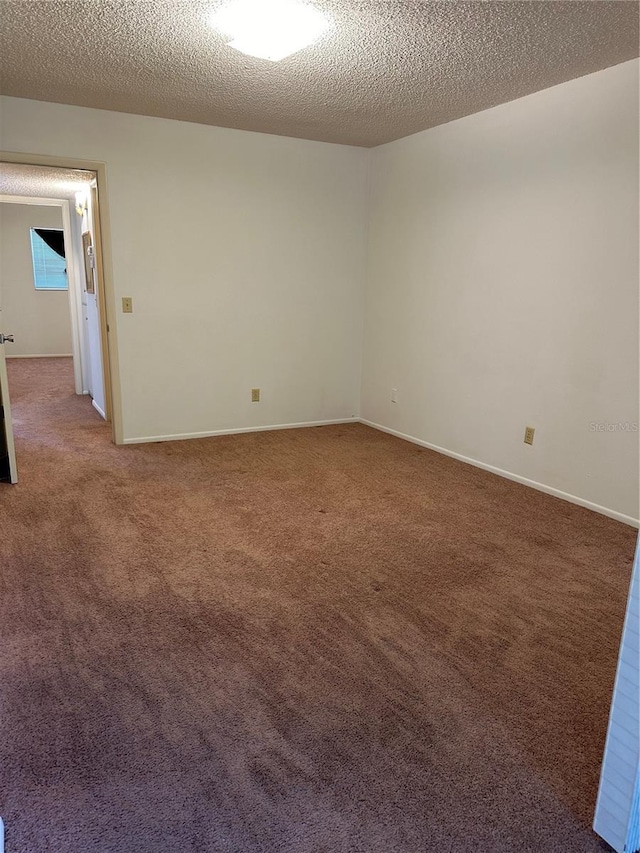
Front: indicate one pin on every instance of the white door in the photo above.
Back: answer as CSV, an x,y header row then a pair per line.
x,y
617,817
8,467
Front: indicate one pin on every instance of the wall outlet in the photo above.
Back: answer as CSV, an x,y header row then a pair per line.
x,y
127,305
394,395
255,395
528,435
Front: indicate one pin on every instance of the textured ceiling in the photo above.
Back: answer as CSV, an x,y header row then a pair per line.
x,y
386,69
42,181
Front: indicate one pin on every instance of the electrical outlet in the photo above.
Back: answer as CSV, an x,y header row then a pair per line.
x,y
528,435
394,395
255,395
127,305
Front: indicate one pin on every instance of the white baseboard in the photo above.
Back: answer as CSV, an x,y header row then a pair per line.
x,y
541,487
44,355
98,409
146,439
525,481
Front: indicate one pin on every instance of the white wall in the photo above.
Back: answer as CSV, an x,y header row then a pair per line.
x,y
244,255
39,319
503,287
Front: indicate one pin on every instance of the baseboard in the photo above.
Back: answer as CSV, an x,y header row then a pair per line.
x,y
508,475
147,439
98,409
44,355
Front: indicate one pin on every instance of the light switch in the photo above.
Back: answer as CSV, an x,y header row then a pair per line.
x,y
127,305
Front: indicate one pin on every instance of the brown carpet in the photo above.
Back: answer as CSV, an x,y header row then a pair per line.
x,y
301,641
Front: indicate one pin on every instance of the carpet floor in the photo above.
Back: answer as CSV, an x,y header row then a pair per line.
x,y
310,641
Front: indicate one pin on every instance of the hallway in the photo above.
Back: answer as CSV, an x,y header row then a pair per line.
x,y
47,413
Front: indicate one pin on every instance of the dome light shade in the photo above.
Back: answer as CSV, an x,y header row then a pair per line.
x,y
269,29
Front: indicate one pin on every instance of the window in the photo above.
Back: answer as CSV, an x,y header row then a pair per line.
x,y
49,262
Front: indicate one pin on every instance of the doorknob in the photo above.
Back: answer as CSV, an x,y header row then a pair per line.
x,y
6,339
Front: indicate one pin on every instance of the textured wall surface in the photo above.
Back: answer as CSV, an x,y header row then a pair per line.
x,y
387,68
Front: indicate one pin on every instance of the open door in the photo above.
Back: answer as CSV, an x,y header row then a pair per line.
x,y
617,817
8,467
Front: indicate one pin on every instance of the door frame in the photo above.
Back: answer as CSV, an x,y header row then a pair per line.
x,y
104,268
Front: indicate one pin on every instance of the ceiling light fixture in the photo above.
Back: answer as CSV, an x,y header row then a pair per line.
x,y
269,29
82,202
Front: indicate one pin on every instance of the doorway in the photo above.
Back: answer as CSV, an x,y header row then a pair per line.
x,y
70,192
40,289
